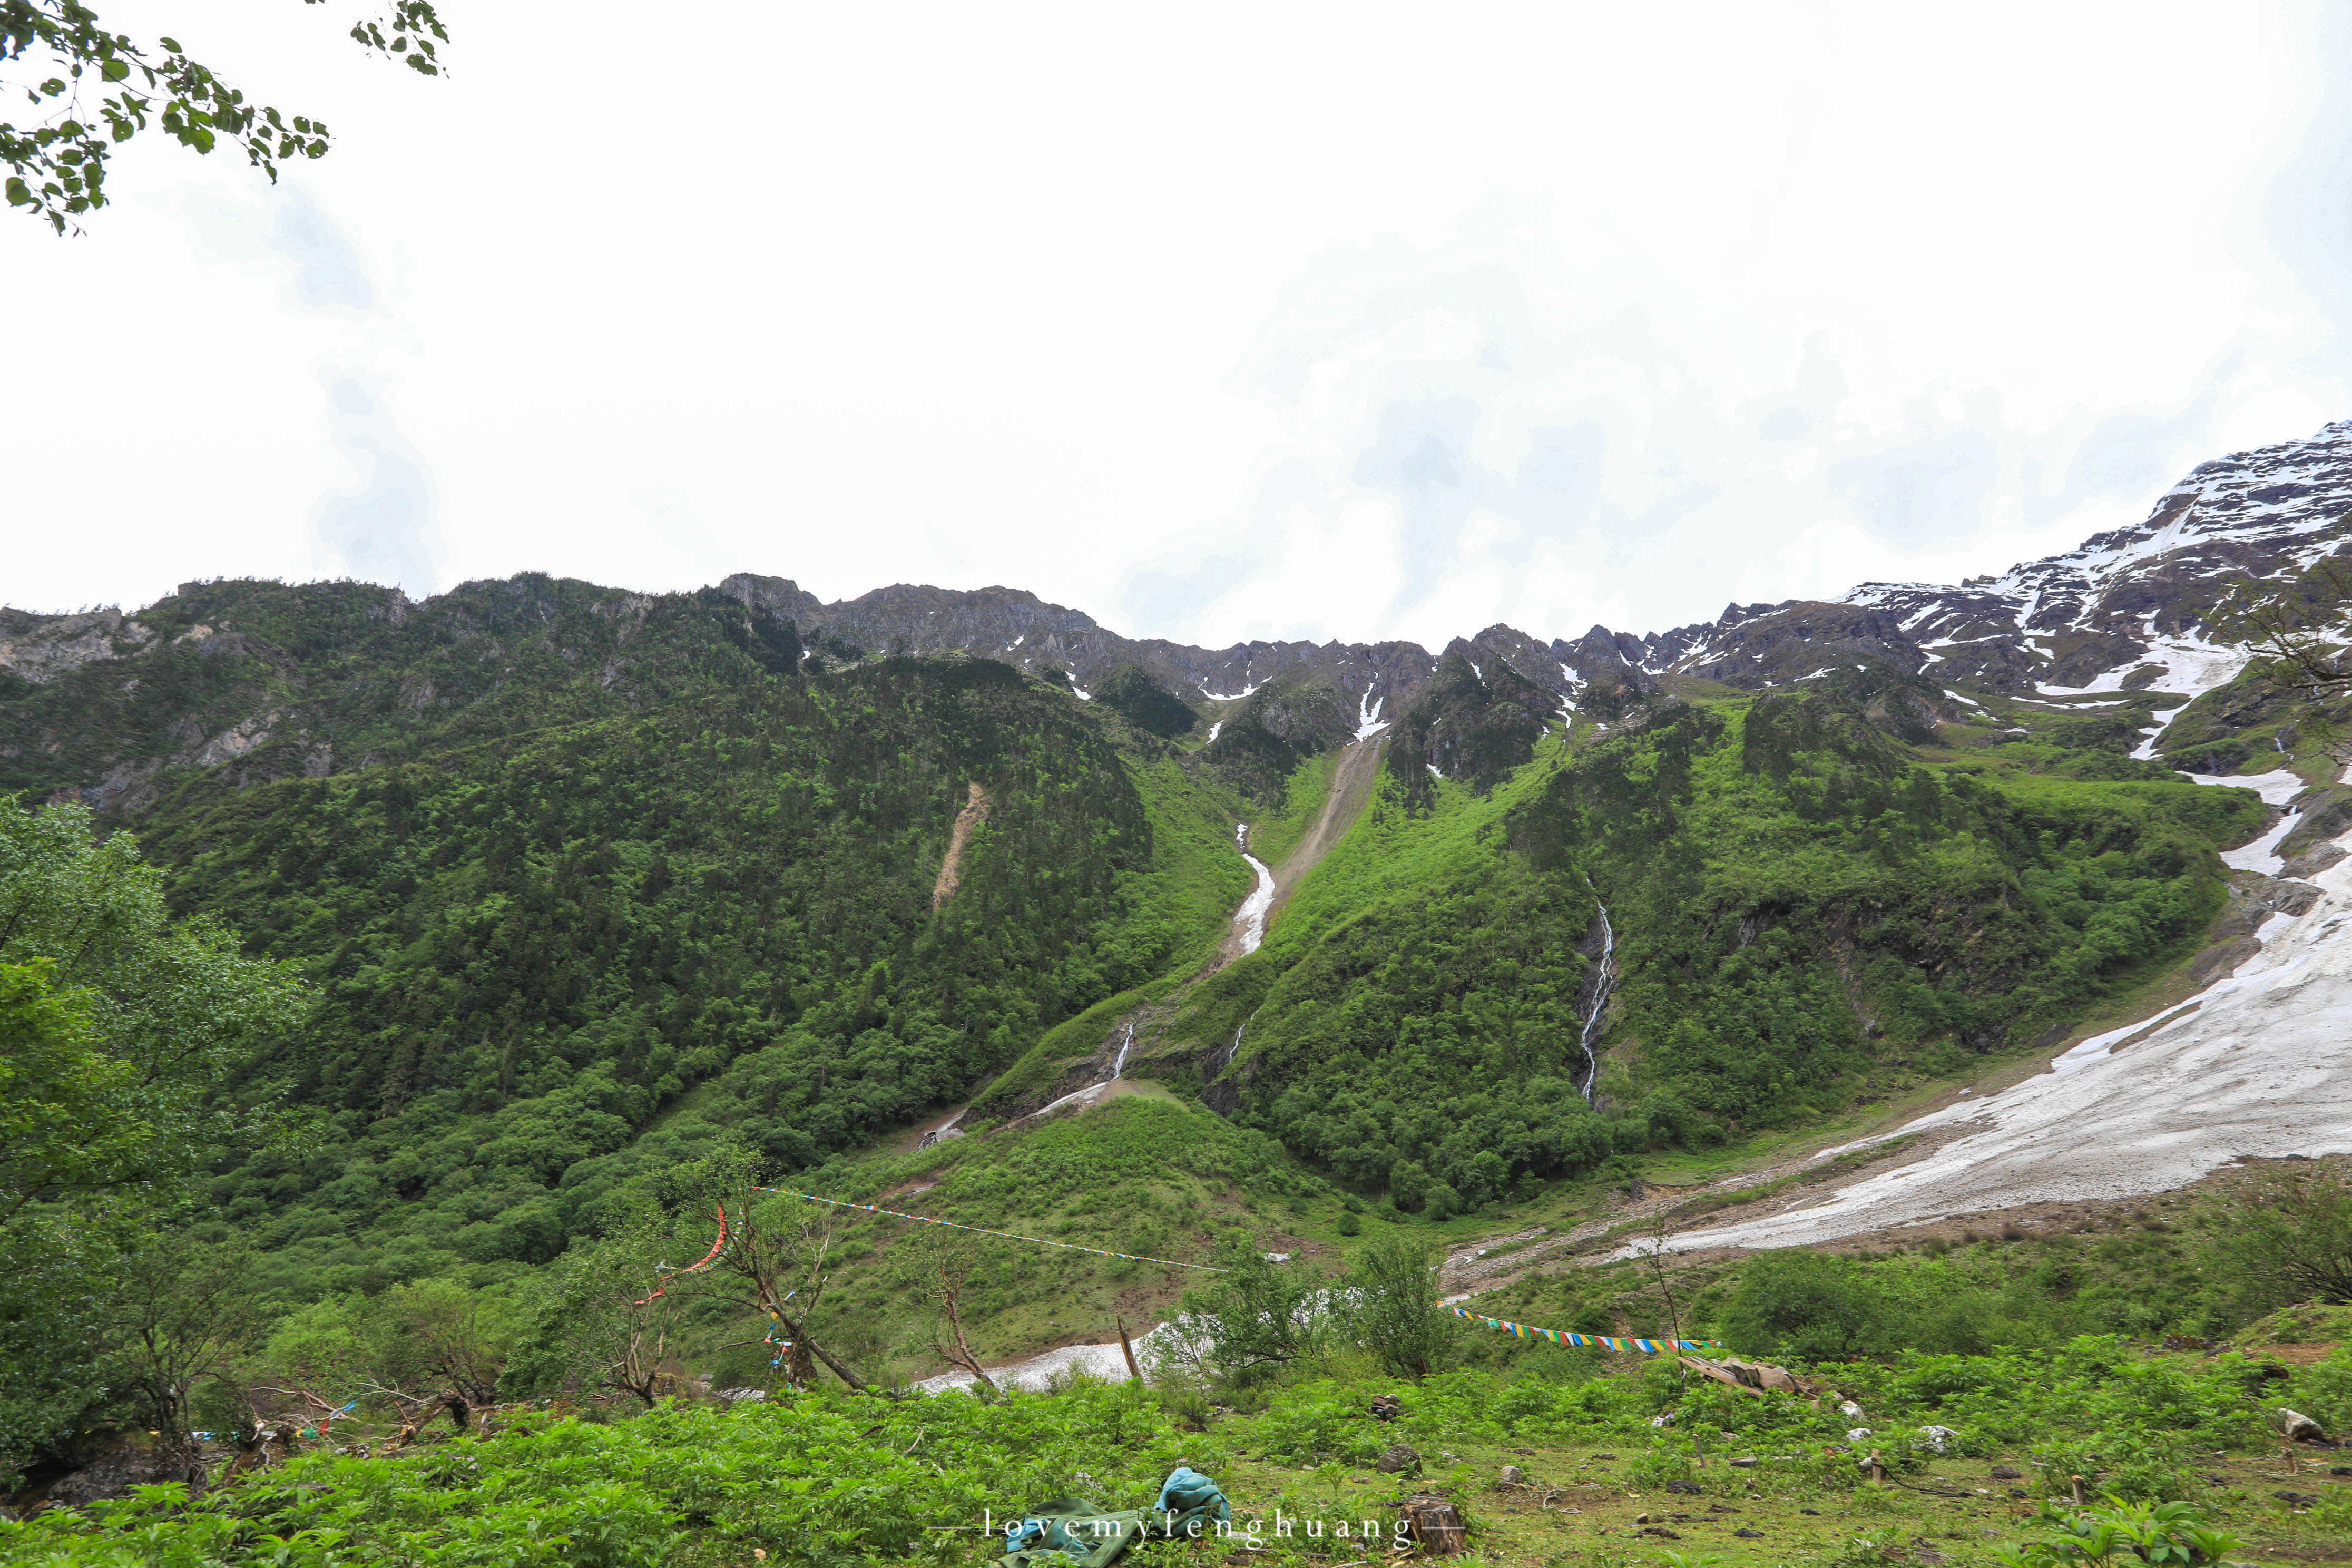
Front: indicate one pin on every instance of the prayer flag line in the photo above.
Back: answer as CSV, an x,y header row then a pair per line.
x,y
1608,1342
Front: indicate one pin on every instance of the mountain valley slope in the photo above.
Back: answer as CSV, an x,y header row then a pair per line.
x,y
587,882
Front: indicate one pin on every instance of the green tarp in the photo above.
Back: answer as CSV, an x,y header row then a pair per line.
x,y
1071,1532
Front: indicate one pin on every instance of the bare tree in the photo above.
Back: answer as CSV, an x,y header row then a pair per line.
x,y
1660,1235
777,1262
951,1268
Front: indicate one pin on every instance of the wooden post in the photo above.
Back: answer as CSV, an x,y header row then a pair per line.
x,y
2075,1484
1127,1348
1877,1470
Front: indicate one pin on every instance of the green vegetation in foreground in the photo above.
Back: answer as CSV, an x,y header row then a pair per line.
x,y
835,1476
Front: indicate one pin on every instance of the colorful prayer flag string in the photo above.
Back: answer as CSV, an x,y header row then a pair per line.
x,y
1609,1342
983,1230
709,1258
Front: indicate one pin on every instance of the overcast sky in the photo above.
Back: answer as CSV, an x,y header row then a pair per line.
x,y
1217,323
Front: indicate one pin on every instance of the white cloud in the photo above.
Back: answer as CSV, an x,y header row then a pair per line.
x,y
1219,324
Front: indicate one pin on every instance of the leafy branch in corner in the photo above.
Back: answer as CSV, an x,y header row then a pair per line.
x,y
2281,645
91,89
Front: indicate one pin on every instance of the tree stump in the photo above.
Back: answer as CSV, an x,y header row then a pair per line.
x,y
1435,1524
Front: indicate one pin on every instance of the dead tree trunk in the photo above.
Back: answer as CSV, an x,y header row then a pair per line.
x,y
961,1354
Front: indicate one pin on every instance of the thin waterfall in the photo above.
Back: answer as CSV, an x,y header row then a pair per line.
x,y
1119,1064
1234,1050
1600,996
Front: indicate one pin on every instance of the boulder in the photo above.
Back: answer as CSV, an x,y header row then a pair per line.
x,y
2311,862
1512,1476
1387,1407
112,1465
1397,1459
2298,1427
2321,814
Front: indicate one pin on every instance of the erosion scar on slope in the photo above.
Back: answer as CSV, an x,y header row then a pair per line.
x,y
1352,786
974,812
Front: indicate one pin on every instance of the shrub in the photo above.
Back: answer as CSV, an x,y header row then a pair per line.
x,y
2290,1233
1393,1312
2324,1391
2171,1532
1801,1303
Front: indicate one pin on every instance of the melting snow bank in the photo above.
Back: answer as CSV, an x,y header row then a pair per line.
x,y
1083,1099
2276,789
1250,916
2257,1065
1104,1361
1369,722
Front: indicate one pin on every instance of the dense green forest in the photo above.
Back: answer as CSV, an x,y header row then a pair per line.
x,y
715,918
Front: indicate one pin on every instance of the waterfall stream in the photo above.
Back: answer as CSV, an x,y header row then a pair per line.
x,y
1250,916
1600,997
1119,1064
1235,1048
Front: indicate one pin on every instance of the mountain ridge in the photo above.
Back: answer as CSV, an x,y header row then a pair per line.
x,y
2155,606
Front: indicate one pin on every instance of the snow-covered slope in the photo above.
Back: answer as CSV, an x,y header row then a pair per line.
x,y
2256,1066
2147,607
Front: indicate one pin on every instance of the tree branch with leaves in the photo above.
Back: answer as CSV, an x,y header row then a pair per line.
x,y
91,89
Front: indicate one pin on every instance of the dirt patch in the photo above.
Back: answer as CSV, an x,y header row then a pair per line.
x,y
1787,1184
1598,1240
1352,787
974,812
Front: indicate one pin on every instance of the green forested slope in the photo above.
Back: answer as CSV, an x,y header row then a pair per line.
x,y
294,679
592,892
527,951
1807,912
1799,902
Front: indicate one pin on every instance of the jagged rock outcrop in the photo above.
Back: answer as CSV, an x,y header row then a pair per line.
x,y
1281,725
1476,723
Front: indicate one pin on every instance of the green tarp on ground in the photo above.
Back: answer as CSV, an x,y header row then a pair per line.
x,y
1071,1532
